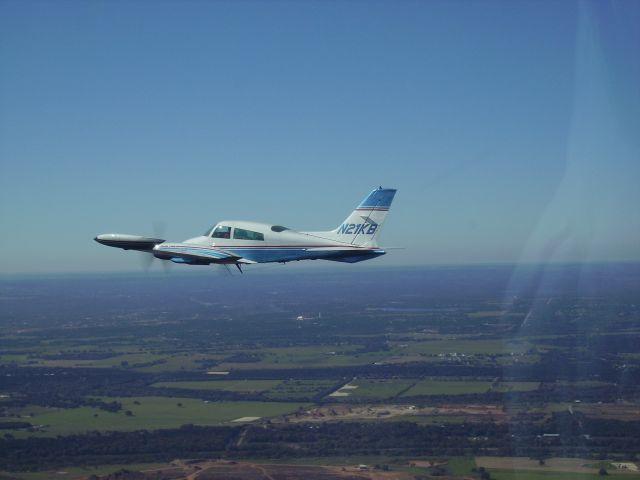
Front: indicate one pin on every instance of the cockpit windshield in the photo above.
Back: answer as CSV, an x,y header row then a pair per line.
x,y
222,231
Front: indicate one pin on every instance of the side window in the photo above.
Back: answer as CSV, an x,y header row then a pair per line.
x,y
222,232
240,234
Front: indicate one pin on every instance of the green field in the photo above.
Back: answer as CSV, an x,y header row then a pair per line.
x,y
129,359
272,389
461,465
486,314
300,389
466,347
447,387
125,357
515,387
151,413
529,475
379,389
12,358
181,361
516,468
582,383
312,356
227,385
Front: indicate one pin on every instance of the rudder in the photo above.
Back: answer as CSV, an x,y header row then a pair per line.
x,y
362,226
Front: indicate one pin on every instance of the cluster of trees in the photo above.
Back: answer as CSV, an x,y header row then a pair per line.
x,y
114,447
66,387
552,366
563,435
14,425
80,355
75,387
78,387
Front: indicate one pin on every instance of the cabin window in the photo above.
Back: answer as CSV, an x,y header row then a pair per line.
x,y
278,228
240,234
222,231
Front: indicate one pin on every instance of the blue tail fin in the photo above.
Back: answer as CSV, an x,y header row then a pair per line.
x,y
362,226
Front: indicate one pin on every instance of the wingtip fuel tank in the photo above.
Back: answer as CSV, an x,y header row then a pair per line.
x,y
128,242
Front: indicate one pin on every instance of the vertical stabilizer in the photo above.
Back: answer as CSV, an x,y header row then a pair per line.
x,y
362,226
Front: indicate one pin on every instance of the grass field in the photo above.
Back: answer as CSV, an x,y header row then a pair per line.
x,y
180,361
515,387
145,361
300,357
273,389
379,389
467,347
116,361
508,468
581,383
486,314
447,387
461,465
12,358
498,474
300,389
227,385
151,413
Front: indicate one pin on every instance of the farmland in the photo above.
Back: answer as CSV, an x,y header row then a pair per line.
x,y
431,371
447,387
231,385
144,413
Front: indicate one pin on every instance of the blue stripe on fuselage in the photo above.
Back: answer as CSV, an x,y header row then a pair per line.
x,y
266,255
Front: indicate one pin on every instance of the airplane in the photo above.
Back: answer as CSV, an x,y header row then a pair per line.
x,y
244,243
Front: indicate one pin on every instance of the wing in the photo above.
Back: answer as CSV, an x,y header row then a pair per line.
x,y
195,254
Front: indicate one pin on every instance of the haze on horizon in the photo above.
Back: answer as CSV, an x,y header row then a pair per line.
x,y
510,129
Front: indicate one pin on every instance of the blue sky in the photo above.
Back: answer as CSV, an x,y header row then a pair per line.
x,y
511,129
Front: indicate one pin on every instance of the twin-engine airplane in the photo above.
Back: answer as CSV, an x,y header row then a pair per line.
x,y
238,243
